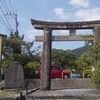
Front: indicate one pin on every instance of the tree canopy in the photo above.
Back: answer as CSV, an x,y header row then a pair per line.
x,y
16,49
85,62
64,57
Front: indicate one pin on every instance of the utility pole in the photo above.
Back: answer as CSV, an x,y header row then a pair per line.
x,y
16,22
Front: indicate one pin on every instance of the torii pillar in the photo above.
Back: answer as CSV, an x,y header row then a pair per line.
x,y
96,32
45,82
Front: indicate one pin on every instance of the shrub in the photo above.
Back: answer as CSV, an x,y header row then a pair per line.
x,y
30,70
95,79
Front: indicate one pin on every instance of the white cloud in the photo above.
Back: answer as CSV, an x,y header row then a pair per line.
x,y
61,14
21,19
30,34
88,14
82,3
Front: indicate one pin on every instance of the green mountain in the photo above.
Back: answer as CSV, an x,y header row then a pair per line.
x,y
81,50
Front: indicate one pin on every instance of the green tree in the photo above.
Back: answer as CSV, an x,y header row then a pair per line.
x,y
64,57
16,49
30,69
85,62
95,79
89,39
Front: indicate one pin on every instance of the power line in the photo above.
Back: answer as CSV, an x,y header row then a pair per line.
x,y
15,18
4,22
11,6
6,6
14,15
5,17
9,20
2,29
10,17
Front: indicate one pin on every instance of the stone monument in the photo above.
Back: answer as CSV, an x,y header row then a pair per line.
x,y
14,77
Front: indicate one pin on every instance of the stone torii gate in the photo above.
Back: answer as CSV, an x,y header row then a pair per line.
x,y
47,27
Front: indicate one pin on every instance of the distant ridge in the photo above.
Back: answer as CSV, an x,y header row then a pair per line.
x,y
81,50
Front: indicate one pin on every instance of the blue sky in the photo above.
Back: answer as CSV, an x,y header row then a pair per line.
x,y
56,11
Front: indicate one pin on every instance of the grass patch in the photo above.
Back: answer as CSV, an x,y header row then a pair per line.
x,y
10,91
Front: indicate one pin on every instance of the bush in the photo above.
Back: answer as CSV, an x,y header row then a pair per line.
x,y
95,79
6,64
30,70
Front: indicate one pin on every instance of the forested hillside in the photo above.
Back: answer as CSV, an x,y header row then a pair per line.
x,y
81,50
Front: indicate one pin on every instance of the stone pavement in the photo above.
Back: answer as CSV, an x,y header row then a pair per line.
x,y
67,94
60,94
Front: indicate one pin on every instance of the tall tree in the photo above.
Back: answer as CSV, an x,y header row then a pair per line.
x,y
85,62
16,49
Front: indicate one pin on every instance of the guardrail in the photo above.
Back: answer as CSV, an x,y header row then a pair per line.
x,y
66,71
86,71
